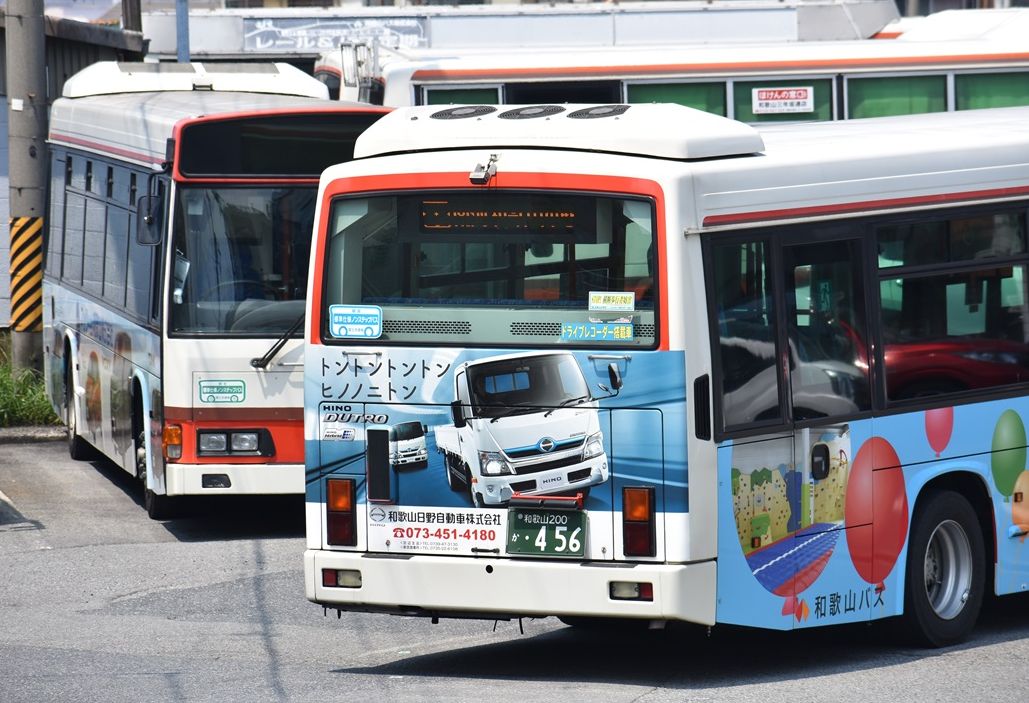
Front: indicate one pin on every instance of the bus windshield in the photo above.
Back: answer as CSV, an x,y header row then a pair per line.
x,y
496,267
240,259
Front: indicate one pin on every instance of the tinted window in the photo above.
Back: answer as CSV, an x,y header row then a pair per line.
x,y
959,239
826,329
512,268
462,96
116,254
55,240
140,279
954,330
978,90
709,97
285,145
901,95
93,248
74,219
746,330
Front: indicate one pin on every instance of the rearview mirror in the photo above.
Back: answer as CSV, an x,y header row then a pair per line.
x,y
148,220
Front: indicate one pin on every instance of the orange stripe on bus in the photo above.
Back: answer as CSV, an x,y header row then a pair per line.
x,y
666,69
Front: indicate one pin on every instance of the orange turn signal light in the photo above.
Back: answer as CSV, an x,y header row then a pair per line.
x,y
341,494
636,504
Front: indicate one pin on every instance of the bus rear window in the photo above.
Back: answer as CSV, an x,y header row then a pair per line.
x,y
496,267
272,145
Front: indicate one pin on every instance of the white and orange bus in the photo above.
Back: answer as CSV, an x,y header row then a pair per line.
x,y
954,60
672,367
182,198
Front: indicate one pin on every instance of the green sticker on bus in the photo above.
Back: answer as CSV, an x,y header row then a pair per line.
x,y
223,391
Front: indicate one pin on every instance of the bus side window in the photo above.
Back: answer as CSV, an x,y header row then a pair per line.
x,y
746,351
826,329
970,324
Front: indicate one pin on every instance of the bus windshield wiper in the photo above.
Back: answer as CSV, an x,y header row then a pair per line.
x,y
566,402
263,361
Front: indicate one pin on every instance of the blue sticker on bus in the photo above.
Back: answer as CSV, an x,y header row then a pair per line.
x,y
349,321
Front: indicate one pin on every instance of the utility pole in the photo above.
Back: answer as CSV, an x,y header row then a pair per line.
x,y
182,31
27,126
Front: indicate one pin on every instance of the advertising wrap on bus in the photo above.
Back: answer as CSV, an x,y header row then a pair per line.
x,y
502,429
786,418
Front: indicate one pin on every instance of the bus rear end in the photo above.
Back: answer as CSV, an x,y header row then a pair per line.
x,y
514,304
241,214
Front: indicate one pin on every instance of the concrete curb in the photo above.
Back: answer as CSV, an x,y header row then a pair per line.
x,y
31,433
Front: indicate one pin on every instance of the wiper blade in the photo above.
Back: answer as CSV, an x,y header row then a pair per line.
x,y
263,361
511,410
566,402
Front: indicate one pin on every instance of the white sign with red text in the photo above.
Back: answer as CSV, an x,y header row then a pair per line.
x,y
772,101
431,530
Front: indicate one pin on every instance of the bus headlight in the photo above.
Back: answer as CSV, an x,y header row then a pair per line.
x,y
244,441
226,442
594,447
213,442
493,464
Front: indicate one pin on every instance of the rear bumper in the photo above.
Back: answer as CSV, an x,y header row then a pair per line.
x,y
492,587
244,479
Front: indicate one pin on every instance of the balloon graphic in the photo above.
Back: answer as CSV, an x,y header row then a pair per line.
x,y
876,493
939,423
1008,458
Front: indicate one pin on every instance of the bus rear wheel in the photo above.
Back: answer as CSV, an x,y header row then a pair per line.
x,y
946,571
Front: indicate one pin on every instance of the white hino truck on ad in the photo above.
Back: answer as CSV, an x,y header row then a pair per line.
x,y
524,424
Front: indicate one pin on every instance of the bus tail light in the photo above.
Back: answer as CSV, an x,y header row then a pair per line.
x,y
340,513
341,578
171,439
638,524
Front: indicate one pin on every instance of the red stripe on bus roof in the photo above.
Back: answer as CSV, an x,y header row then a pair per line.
x,y
869,205
105,148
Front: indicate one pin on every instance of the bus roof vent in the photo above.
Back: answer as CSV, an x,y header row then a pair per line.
x,y
593,113
531,112
645,129
463,112
111,77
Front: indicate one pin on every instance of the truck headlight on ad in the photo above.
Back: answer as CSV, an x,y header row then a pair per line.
x,y
594,447
493,464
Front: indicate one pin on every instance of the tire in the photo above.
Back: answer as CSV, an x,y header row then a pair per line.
x,y
945,572
78,448
158,507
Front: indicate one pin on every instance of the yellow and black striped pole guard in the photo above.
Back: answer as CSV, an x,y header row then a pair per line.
x,y
26,274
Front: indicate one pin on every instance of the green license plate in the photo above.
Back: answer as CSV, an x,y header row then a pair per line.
x,y
556,533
